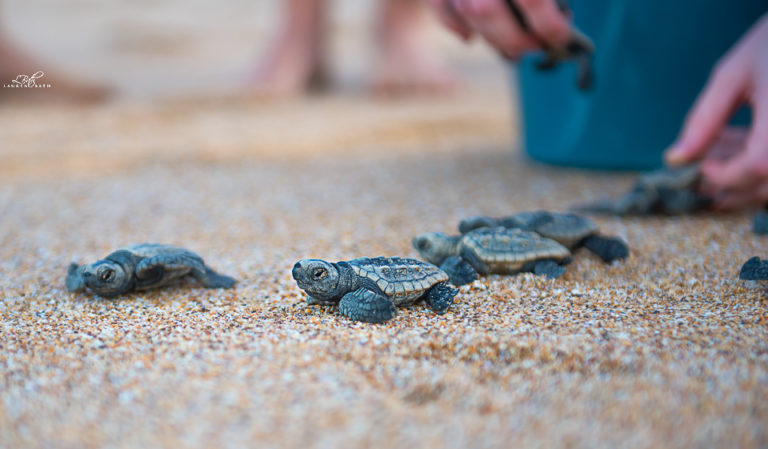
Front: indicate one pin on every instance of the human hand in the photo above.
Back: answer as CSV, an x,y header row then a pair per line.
x,y
739,176
495,23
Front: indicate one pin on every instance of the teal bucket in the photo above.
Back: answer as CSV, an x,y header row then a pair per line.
x,y
652,58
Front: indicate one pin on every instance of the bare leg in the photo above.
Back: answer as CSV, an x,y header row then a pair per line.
x,y
294,61
406,61
15,62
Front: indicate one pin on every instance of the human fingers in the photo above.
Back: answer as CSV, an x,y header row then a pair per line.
x,y
731,141
740,200
724,91
548,22
448,16
749,169
495,23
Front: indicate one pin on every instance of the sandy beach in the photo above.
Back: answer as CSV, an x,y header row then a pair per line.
x,y
665,349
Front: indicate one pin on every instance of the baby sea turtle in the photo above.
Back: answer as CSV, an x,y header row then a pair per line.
x,y
665,191
579,47
142,267
368,289
570,230
754,270
492,250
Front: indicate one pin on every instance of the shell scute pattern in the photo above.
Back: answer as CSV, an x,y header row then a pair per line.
x,y
398,277
512,245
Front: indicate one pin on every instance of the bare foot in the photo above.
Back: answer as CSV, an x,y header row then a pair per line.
x,y
16,66
294,62
407,63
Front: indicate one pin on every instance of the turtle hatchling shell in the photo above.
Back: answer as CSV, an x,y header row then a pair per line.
x,y
568,229
403,280
509,250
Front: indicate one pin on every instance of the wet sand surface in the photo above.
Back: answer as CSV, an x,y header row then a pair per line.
x,y
665,349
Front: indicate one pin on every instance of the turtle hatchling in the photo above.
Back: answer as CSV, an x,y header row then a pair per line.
x,y
368,289
142,267
492,250
571,230
579,47
664,191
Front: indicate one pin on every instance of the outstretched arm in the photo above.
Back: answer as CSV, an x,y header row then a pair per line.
x,y
739,175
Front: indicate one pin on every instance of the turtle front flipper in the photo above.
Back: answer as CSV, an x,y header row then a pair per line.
x,y
74,281
548,268
754,270
164,269
213,279
440,297
606,248
480,221
367,306
459,271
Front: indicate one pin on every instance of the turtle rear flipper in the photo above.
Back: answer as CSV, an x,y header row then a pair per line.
x,y
440,297
754,270
459,271
606,248
548,268
367,306
74,281
213,279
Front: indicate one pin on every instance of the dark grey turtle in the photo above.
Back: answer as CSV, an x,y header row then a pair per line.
x,y
368,289
492,250
754,270
665,191
579,48
142,267
571,230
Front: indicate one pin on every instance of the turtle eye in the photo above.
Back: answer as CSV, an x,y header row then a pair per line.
x,y
107,275
319,273
424,244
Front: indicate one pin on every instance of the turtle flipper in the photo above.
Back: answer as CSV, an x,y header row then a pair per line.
x,y
367,306
754,270
606,248
213,279
440,297
160,268
459,271
548,268
166,268
480,221
74,281
760,223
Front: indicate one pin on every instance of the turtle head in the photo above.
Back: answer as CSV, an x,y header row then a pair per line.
x,y
105,277
435,247
320,279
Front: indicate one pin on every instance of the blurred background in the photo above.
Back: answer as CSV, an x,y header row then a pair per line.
x,y
170,47
179,73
